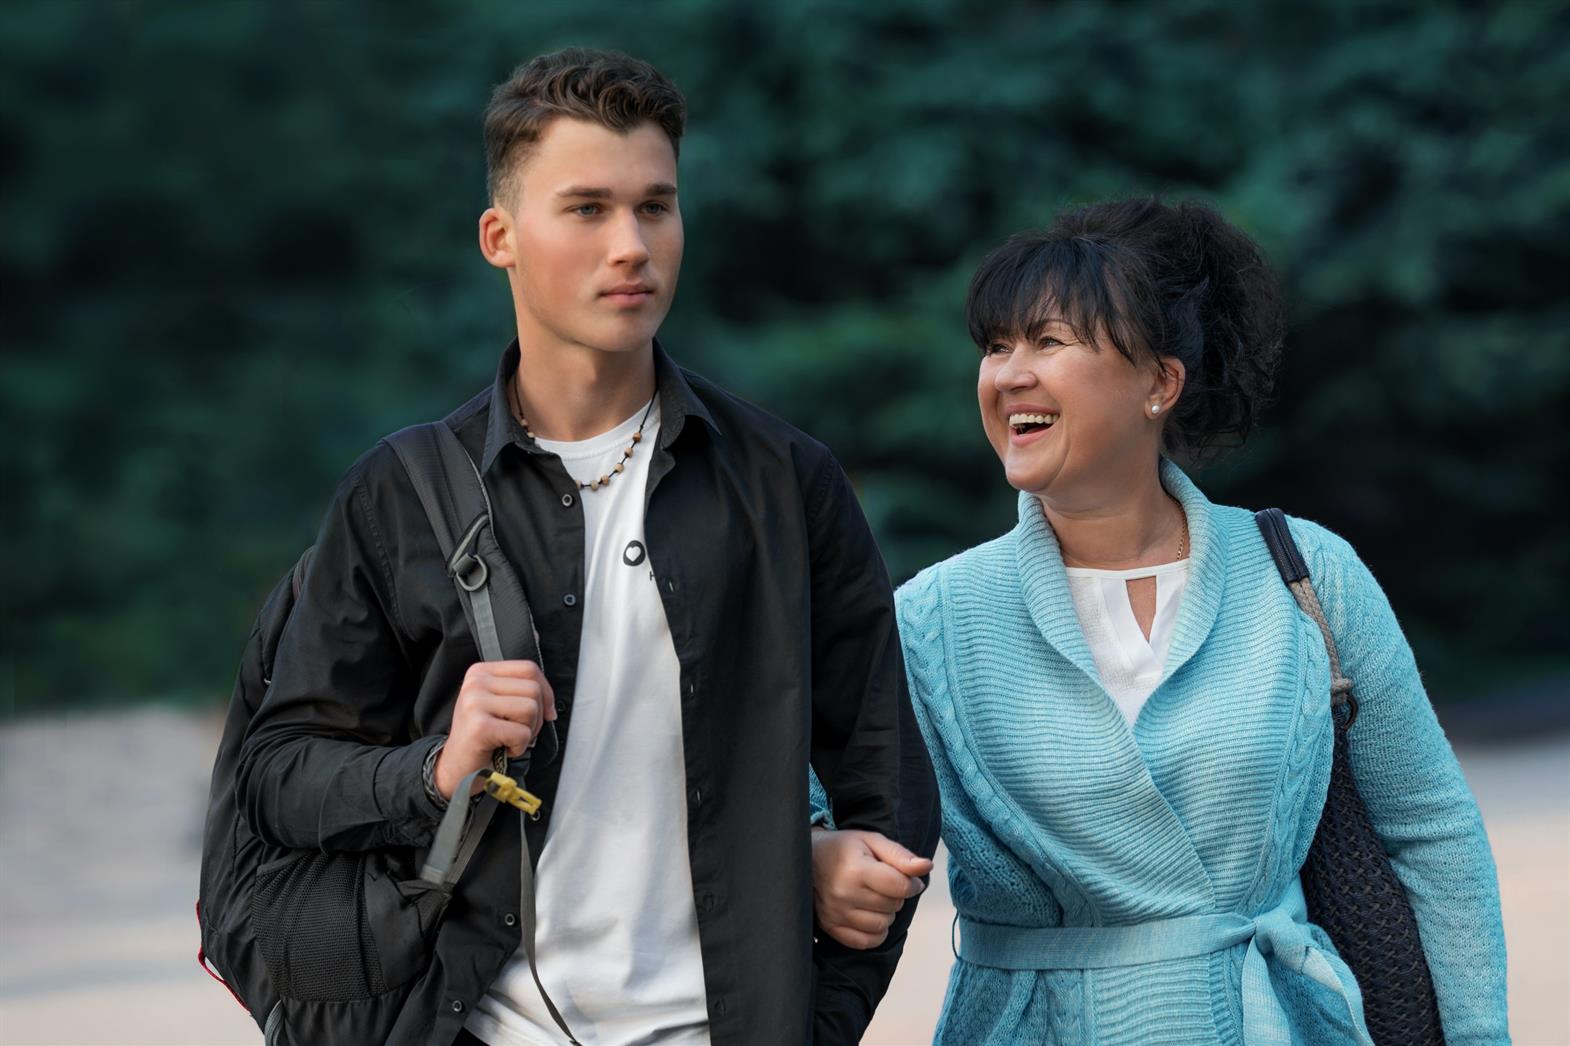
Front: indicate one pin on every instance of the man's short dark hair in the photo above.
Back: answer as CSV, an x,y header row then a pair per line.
x,y
609,88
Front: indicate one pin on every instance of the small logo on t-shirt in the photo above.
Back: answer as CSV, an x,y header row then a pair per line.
x,y
634,553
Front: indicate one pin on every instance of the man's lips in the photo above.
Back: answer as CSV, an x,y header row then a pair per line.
x,y
629,293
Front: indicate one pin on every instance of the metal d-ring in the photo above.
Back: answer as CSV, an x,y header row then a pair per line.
x,y
466,568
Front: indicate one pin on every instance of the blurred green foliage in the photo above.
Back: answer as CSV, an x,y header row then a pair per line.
x,y
239,246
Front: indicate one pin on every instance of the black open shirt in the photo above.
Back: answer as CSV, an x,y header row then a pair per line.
x,y
782,617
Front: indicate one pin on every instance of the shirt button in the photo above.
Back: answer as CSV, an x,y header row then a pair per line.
x,y
566,501
670,586
719,1007
457,1006
707,902
696,795
569,600
510,919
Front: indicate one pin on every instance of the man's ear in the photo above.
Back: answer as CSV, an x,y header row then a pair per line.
x,y
496,239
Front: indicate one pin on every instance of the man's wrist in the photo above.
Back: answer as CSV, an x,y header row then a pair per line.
x,y
428,775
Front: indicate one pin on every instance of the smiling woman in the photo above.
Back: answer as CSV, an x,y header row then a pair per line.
x,y
1129,714
1169,288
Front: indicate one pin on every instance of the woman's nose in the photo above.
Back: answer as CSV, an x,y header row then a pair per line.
x,y
1014,374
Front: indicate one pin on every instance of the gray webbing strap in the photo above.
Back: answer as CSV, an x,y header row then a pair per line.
x,y
485,626
474,561
457,835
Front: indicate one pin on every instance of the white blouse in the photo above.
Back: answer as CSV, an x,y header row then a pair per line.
x,y
1130,665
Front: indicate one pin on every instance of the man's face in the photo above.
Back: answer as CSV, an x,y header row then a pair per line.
x,y
596,237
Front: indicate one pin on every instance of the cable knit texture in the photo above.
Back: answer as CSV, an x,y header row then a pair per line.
x,y
1056,814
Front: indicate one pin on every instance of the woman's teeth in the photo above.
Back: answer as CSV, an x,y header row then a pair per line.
x,y
1029,422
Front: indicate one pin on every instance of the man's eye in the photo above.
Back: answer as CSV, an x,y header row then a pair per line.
x,y
655,207
587,210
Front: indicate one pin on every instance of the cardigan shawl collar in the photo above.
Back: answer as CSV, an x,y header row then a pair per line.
x,y
1044,581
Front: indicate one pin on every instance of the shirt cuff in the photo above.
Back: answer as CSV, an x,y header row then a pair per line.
x,y
401,795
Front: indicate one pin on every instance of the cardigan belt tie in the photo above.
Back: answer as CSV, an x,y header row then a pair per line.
x,y
1280,948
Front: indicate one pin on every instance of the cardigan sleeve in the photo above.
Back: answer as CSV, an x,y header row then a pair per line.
x,y
1417,798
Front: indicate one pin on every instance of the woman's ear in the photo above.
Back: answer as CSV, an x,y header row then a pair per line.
x,y
1166,385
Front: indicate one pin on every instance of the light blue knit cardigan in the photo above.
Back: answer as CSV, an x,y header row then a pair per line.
x,y
1155,870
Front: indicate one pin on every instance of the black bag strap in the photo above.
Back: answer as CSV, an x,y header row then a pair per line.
x,y
1294,571
452,491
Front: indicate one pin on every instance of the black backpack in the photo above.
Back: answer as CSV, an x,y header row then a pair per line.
x,y
246,883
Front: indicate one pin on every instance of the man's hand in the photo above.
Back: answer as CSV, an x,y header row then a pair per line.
x,y
501,704
859,881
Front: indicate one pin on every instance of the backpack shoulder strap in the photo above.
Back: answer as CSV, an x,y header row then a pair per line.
x,y
1294,571
452,491
453,494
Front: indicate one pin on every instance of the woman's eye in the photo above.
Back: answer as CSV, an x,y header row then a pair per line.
x,y
1049,342
995,349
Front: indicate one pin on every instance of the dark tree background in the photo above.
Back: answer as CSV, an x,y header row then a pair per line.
x,y
239,246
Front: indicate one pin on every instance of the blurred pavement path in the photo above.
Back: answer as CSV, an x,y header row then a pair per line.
x,y
100,835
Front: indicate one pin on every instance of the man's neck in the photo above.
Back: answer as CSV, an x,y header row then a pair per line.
x,y
576,393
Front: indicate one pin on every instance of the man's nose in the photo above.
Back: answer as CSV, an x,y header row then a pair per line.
x,y
627,245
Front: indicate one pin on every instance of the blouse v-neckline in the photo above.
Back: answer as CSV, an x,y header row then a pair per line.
x,y
1128,662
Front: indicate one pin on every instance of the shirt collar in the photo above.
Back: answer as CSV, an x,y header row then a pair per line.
x,y
678,402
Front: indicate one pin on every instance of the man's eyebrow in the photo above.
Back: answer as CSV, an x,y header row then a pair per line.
x,y
597,192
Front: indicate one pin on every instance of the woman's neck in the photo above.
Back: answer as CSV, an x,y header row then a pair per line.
x,y
1140,525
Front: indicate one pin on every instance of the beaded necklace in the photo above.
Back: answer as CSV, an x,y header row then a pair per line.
x,y
603,481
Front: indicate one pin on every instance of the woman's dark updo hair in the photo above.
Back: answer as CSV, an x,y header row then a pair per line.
x,y
1157,280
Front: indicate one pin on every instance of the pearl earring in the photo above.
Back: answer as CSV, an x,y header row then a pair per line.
x,y
1155,408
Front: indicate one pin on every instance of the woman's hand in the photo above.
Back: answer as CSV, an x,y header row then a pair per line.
x,y
860,880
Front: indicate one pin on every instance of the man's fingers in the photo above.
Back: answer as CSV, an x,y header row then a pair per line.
x,y
514,737
508,686
517,708
895,855
855,938
875,900
884,880
867,921
550,699
514,669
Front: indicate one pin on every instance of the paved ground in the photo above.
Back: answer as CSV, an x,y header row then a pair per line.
x,y
100,825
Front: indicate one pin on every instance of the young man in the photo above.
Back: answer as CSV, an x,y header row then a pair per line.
x,y
712,615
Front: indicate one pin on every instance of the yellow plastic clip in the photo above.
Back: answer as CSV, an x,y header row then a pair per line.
x,y
505,790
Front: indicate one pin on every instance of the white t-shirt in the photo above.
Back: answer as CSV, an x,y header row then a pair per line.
x,y
1129,664
617,937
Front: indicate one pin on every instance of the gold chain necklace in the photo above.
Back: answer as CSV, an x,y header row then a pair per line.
x,y
605,480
